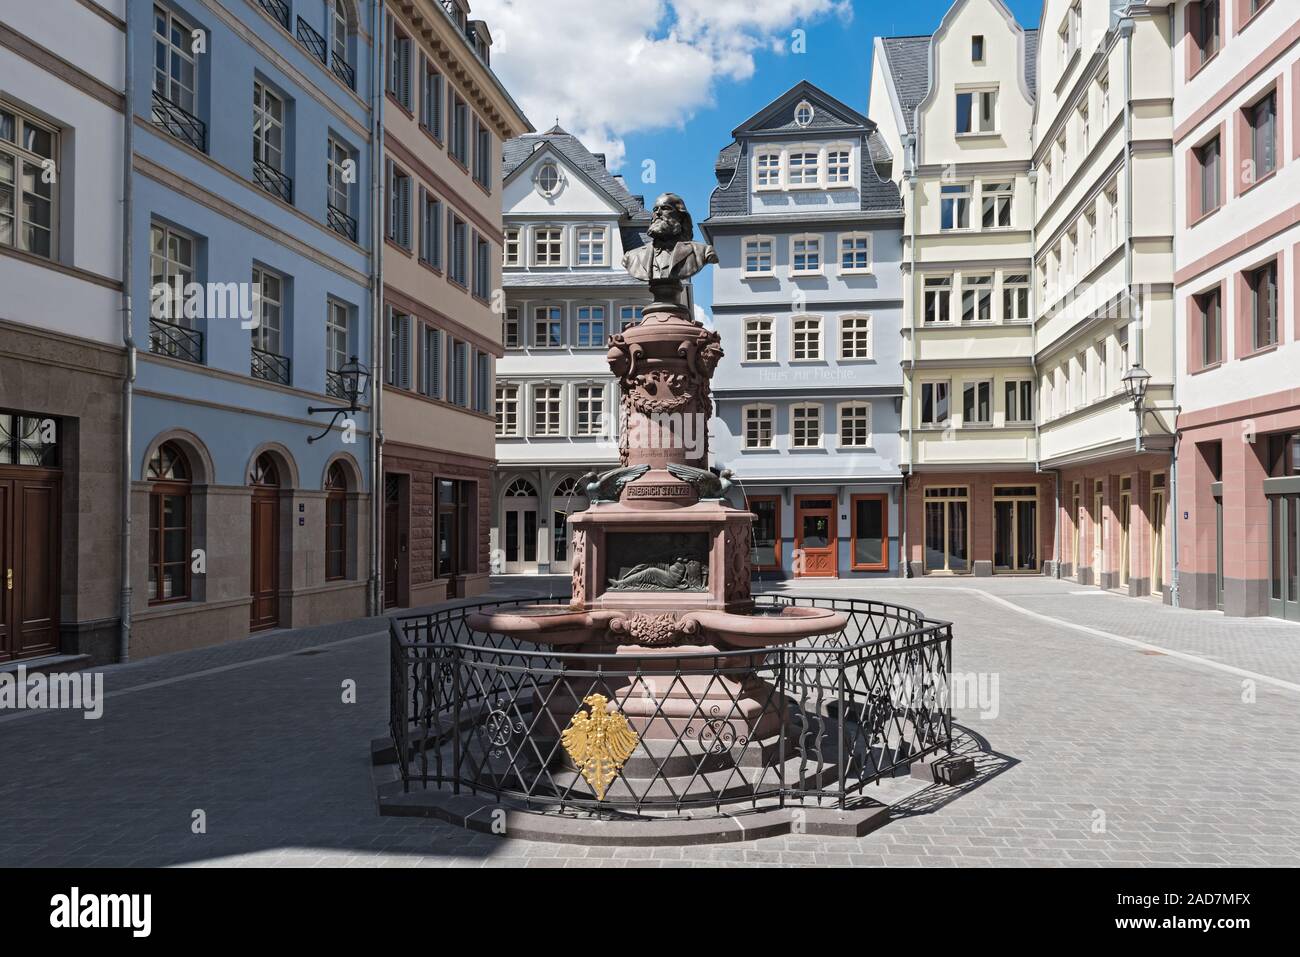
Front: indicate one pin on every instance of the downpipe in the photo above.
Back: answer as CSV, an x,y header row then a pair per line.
x,y
128,341
375,585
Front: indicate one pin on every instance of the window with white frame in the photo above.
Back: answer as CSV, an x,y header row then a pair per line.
x,y
589,403
758,426
591,245
175,76
548,246
268,289
995,200
855,252
801,168
839,171
510,247
759,255
934,404
338,194
977,112
805,426
803,114
546,410
1085,128
954,206
548,327
976,298
1103,98
855,337
938,299
591,327
338,339
1015,297
977,403
758,340
1112,204
171,265
807,332
628,316
548,178
28,197
1079,380
268,127
767,170
855,425
805,255
1088,240
1018,395
510,328
1063,157
507,409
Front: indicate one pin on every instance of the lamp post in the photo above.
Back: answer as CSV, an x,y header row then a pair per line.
x,y
1136,381
352,378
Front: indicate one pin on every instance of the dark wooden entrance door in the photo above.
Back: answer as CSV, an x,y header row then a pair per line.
x,y
815,537
392,539
29,552
265,547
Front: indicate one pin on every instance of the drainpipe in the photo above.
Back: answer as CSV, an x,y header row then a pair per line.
x,y
375,588
1126,27
1034,307
910,175
128,341
1175,579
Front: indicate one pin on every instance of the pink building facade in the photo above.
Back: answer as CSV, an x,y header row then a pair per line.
x,y
1237,142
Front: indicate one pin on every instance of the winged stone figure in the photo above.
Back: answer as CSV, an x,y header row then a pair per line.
x,y
599,742
607,486
707,484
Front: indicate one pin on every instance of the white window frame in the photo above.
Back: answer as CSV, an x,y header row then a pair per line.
x,y
338,330
559,178
628,316
189,98
559,323
19,157
760,330
770,241
1011,287
173,267
816,169
594,239
992,397
802,410
812,333
957,194
510,247
849,249
557,415
338,193
930,286
268,308
978,96
857,330
830,181
932,384
758,409
976,287
804,114
1002,195
506,400
842,413
812,246
267,149
590,314
769,177
593,406
554,243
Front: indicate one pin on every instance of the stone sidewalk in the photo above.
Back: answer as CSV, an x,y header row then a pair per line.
x,y
1095,751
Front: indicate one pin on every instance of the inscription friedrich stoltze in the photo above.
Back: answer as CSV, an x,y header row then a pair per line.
x,y
657,561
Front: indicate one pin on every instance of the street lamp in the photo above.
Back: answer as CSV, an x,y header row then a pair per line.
x,y
1136,381
348,383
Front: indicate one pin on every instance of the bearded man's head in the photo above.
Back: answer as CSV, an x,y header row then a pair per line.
x,y
670,222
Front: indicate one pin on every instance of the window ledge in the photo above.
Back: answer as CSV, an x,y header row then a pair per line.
x,y
760,362
814,274
1259,182
983,135
856,272
805,449
1204,216
1210,368
1259,352
1254,16
808,362
855,448
757,275
1196,71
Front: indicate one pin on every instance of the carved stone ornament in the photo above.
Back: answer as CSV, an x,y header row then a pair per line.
x,y
654,631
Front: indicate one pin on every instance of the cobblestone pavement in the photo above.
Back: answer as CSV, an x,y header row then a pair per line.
x,y
1122,732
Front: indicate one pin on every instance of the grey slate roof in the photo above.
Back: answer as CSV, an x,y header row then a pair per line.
x,y
908,62
515,152
730,199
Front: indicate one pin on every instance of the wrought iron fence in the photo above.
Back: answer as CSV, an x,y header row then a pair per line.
x,y
812,722
278,9
169,339
311,39
269,366
273,181
179,122
341,222
343,70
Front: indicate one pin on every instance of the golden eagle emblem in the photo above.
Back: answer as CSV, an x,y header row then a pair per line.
x,y
599,742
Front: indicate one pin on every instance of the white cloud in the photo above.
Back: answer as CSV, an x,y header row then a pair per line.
x,y
607,68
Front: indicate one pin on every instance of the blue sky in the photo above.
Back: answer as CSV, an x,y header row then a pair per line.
x,y
667,80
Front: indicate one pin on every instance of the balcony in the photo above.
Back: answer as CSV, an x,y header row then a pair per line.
x,y
169,339
273,181
343,70
270,367
313,41
341,222
180,123
278,9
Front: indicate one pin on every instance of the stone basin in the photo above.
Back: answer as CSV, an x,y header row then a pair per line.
x,y
778,625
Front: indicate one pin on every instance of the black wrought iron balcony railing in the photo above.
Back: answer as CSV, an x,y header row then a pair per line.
x,y
179,122
312,40
343,70
334,385
278,9
341,222
178,342
270,367
273,181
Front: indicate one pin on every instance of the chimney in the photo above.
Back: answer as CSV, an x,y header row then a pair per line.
x,y
600,158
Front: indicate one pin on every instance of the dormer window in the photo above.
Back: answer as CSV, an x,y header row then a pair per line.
x,y
548,179
803,114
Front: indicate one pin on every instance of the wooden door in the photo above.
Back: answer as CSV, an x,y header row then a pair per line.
x,y
29,567
815,537
392,557
265,551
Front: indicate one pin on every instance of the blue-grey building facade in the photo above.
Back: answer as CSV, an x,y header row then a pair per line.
x,y
252,129
808,299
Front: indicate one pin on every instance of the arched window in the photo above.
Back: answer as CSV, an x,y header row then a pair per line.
x,y
265,474
548,178
336,523
339,30
568,487
521,488
170,478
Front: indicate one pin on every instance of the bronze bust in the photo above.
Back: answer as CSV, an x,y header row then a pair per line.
x,y
671,256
